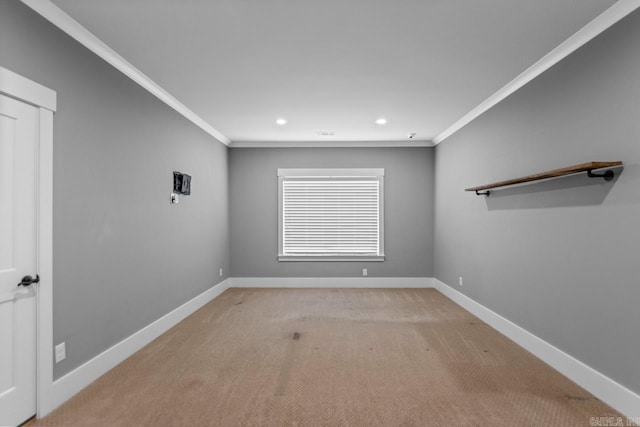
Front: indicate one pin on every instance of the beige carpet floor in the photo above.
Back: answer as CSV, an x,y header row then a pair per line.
x,y
331,357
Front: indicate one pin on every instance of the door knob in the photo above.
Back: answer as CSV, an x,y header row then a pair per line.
x,y
28,280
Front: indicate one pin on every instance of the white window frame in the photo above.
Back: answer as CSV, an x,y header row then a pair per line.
x,y
334,173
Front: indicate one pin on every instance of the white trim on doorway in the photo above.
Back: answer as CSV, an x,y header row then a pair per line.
x,y
44,374
23,89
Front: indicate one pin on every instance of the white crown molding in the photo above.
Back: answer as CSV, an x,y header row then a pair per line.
x,y
331,282
604,388
18,87
66,23
599,24
328,144
70,384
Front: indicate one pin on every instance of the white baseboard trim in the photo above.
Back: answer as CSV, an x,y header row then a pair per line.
x,y
331,282
604,388
70,384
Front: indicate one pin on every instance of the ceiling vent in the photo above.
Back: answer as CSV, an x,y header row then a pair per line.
x,y
324,132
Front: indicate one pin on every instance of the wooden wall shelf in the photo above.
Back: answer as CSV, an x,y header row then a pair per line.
x,y
483,190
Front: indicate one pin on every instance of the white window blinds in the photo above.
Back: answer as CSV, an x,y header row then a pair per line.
x,y
331,214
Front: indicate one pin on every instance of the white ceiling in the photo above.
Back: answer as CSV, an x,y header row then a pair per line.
x,y
332,65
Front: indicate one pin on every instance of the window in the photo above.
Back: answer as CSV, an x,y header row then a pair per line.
x,y
330,214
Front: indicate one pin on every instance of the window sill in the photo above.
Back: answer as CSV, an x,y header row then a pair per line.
x,y
331,258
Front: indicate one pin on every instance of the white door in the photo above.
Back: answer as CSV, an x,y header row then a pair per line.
x,y
18,167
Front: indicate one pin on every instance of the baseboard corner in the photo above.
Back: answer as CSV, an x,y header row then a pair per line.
x,y
73,382
604,388
331,282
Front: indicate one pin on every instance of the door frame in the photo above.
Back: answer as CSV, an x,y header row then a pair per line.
x,y
45,99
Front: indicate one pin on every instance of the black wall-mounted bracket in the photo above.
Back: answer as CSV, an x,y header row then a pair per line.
x,y
606,175
483,193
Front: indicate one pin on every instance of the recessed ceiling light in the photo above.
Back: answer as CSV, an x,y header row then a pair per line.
x,y
381,121
281,122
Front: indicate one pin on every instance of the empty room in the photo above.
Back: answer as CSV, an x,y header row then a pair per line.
x,y
319,213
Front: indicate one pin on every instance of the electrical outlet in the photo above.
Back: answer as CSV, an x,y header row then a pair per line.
x,y
220,272
460,281
365,272
61,352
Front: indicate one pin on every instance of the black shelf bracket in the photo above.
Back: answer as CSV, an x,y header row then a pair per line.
x,y
606,175
483,193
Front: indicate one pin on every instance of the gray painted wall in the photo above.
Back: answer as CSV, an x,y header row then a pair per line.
x,y
559,258
408,210
123,256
